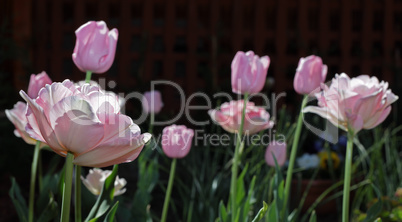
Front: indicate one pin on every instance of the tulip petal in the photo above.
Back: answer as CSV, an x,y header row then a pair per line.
x,y
75,124
114,152
43,125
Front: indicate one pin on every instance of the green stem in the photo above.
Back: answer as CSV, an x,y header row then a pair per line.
x,y
151,122
233,181
33,179
169,190
348,174
88,77
40,172
293,153
65,207
78,194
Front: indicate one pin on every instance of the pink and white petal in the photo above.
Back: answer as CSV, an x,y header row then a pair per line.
x,y
76,125
113,152
118,125
378,118
104,102
46,132
52,94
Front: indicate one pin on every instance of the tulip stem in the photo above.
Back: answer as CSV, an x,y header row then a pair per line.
x,y
235,163
151,122
77,190
68,177
169,190
88,77
34,168
348,174
293,153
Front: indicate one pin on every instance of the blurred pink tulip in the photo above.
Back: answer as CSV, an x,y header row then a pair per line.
x,y
36,83
278,150
96,178
152,102
18,118
229,117
358,103
176,141
249,72
85,121
310,73
95,47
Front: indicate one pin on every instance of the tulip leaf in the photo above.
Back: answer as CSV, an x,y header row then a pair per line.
x,y
105,199
261,213
374,210
222,212
249,201
50,212
272,212
18,201
110,216
313,217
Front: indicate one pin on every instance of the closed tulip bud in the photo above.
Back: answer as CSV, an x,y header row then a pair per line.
x,y
249,72
176,141
278,150
95,47
37,82
310,73
152,102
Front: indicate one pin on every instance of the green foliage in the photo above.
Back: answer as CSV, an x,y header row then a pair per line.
x,y
18,201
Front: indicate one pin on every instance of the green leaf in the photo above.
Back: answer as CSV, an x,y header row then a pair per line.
x,y
272,212
261,213
50,212
313,217
374,210
249,202
222,212
18,201
241,193
110,216
105,199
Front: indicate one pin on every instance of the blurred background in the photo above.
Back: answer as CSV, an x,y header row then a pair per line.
x,y
192,43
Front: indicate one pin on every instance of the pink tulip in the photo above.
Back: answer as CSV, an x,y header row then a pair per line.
x,y
249,72
176,141
278,150
85,121
95,47
18,118
95,180
36,83
354,104
152,102
229,117
310,73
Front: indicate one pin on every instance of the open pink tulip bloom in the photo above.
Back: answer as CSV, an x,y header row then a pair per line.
x,y
249,72
278,150
310,73
354,104
95,180
36,82
85,121
176,141
95,47
229,117
152,102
